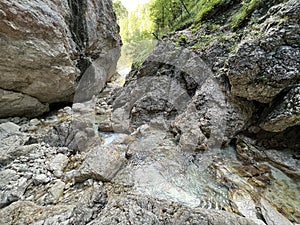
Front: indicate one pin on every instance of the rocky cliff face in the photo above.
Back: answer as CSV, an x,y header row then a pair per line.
x,y
46,46
254,81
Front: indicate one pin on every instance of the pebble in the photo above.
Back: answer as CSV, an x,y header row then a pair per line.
x,y
40,179
57,189
35,122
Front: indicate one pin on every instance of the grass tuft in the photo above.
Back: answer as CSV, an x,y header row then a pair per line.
x,y
244,13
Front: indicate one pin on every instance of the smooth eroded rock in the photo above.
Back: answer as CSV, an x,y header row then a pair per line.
x,y
45,46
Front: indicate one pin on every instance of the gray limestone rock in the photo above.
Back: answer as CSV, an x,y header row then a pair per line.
x,y
123,210
58,163
211,119
25,212
267,62
284,113
46,45
11,142
57,189
271,215
14,103
102,163
8,128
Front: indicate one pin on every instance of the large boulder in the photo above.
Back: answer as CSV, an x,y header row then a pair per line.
x,y
46,46
267,59
174,84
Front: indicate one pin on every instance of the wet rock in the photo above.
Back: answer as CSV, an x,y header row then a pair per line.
x,y
266,63
285,112
254,170
247,152
105,126
245,205
271,215
123,209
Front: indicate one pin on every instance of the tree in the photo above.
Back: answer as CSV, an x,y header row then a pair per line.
x,y
120,10
167,14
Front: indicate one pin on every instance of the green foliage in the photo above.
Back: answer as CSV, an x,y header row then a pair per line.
x,y
206,6
120,10
245,12
169,15
182,40
135,28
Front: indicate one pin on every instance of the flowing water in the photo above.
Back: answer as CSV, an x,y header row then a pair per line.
x,y
159,169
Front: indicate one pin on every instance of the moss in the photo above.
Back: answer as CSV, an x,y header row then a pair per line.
x,y
137,64
208,7
182,40
244,13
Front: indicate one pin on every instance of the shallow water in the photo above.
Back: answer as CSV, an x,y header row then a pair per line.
x,y
109,137
159,169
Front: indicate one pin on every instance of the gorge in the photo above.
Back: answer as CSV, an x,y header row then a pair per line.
x,y
204,131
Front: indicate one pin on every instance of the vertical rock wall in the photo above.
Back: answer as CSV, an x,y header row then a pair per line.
x,y
45,47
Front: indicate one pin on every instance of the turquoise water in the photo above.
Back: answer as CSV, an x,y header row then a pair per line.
x,y
158,168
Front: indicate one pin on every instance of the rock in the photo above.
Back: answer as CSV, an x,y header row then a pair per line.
x,y
25,212
247,152
40,179
191,137
105,126
100,110
77,131
212,118
189,99
285,160
7,197
57,190
58,164
8,128
284,113
11,140
101,163
245,205
123,209
266,63
140,100
14,104
34,122
38,69
271,215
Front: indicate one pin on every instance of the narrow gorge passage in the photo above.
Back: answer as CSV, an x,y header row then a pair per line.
x,y
178,112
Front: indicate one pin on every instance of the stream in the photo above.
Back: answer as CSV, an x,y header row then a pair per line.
x,y
213,179
207,180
